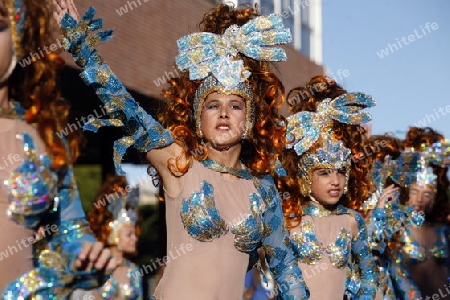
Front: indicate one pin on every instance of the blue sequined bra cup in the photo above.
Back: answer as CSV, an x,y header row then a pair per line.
x,y
202,219
415,253
310,250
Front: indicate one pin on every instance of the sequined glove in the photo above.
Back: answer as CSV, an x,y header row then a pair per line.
x,y
144,132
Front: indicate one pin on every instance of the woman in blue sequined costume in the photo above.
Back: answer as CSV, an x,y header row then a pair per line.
x,y
40,206
217,141
384,214
420,265
324,178
115,226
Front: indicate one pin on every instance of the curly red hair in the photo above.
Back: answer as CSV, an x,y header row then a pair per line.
x,y
384,145
268,134
35,86
306,98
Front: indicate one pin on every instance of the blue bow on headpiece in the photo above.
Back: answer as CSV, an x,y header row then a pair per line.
x,y
204,53
413,167
304,128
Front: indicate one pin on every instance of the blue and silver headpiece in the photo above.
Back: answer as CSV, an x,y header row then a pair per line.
x,y
216,58
123,210
310,134
439,154
414,167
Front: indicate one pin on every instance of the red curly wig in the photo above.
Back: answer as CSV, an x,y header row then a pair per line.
x,y
306,98
35,86
384,145
268,134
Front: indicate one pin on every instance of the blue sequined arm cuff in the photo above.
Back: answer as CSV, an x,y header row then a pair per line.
x,y
387,221
363,257
144,132
376,230
279,253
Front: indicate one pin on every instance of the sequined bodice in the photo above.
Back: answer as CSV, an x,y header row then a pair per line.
x,y
416,253
203,221
310,249
307,245
131,291
329,252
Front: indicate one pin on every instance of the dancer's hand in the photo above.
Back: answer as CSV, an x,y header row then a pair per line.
x,y
386,195
94,255
61,7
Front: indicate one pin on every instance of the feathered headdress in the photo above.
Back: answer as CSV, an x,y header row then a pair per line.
x,y
123,210
217,58
310,134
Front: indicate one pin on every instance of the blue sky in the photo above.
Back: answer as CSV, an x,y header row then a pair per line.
x,y
411,83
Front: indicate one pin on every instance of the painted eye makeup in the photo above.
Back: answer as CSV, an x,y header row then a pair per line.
x,y
211,105
238,105
413,192
427,195
324,172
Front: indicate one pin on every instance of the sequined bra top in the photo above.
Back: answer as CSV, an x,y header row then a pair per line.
x,y
416,253
132,291
310,250
202,220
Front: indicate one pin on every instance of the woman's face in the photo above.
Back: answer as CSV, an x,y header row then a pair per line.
x,y
6,44
223,119
127,239
421,197
327,186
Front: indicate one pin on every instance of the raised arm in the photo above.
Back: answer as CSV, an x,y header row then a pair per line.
x,y
143,132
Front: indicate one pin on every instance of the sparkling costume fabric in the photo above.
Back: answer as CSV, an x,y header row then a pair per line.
x,y
412,253
218,228
326,249
35,197
19,259
324,242
384,223
224,230
144,132
417,271
132,291
33,201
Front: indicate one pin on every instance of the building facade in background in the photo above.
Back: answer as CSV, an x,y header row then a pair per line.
x,y
303,17
143,49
